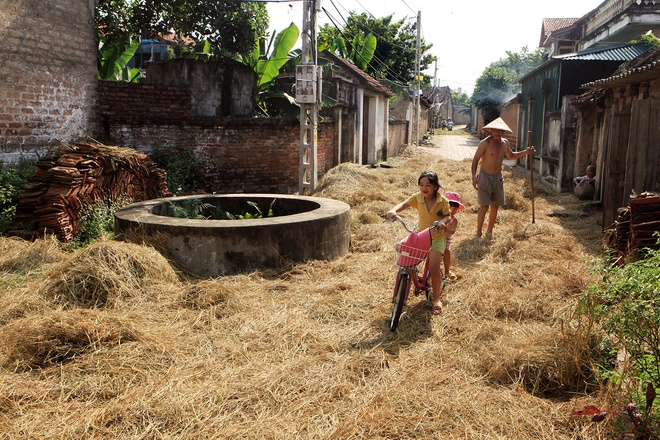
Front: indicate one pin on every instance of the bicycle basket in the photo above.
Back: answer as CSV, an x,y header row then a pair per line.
x,y
414,249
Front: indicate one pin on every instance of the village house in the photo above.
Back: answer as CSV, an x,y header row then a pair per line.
x,y
580,51
618,131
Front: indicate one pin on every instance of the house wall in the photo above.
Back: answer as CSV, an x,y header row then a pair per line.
x,y
398,137
48,75
382,130
567,142
625,142
509,114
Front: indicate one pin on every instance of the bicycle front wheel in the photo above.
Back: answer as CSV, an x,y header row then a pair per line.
x,y
403,284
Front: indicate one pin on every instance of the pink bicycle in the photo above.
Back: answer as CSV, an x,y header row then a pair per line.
x,y
409,254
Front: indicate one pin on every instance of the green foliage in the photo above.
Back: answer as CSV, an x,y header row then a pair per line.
x,y
185,170
396,45
624,306
227,25
198,209
360,50
98,220
12,182
267,67
499,81
200,51
190,208
647,38
223,215
462,102
112,58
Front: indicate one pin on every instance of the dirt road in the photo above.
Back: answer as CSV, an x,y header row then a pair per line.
x,y
455,147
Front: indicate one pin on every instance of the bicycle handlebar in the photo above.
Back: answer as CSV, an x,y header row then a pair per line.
x,y
403,222
436,224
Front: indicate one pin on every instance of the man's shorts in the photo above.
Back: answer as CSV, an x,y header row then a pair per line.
x,y
491,189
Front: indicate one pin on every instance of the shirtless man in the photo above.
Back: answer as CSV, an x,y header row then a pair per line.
x,y
489,182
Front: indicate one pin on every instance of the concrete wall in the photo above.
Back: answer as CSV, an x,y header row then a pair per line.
x,y
47,75
218,89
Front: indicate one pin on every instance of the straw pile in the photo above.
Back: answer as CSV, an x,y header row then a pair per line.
x,y
95,349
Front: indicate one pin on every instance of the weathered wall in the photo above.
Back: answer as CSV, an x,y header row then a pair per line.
x,y
509,114
398,137
241,156
47,75
218,89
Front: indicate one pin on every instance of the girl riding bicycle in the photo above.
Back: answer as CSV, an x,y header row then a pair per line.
x,y
431,207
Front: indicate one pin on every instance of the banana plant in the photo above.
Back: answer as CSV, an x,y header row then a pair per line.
x,y
112,60
362,49
266,68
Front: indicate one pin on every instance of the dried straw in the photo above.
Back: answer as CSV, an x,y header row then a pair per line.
x,y
120,347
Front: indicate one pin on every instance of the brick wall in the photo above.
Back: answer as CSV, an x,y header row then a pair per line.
x,y
120,99
47,75
245,155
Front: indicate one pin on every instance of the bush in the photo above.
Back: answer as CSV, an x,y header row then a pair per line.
x,y
624,309
98,220
185,171
12,183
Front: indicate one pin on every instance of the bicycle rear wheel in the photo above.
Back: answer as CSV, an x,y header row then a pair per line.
x,y
403,284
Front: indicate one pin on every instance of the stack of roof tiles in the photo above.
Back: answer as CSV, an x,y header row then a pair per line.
x,y
644,221
638,224
75,177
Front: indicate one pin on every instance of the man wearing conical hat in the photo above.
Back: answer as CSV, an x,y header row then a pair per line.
x,y
489,182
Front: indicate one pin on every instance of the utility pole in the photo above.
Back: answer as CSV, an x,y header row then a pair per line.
x,y
308,93
417,79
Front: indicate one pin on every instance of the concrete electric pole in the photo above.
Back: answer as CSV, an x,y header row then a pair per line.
x,y
308,95
417,83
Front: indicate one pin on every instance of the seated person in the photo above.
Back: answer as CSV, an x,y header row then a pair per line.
x,y
589,177
584,185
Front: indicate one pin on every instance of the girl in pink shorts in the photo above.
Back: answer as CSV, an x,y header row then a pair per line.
x,y
455,206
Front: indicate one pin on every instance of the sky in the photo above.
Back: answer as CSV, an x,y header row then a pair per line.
x,y
467,35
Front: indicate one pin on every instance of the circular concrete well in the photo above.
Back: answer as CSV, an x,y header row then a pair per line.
x,y
301,228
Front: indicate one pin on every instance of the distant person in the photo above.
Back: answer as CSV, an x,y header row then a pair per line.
x,y
489,182
431,207
585,185
443,123
455,206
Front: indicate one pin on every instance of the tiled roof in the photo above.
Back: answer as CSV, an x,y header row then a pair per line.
x,y
363,77
551,25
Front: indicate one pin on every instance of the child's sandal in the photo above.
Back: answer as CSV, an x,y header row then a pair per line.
x,y
437,308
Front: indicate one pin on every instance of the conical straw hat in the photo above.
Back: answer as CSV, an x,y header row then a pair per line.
x,y
497,124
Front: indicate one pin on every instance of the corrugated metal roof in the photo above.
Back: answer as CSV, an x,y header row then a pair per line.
x,y
624,52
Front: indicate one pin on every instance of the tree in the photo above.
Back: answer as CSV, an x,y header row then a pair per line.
x,y
499,81
230,25
461,101
396,45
